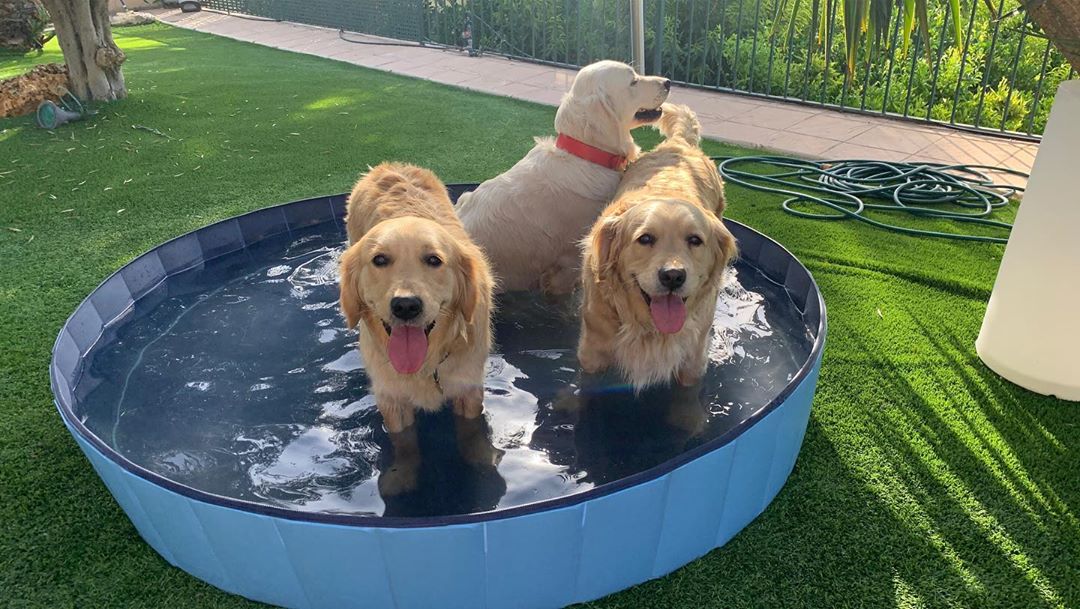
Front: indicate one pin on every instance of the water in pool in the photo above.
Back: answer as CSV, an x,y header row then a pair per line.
x,y
239,379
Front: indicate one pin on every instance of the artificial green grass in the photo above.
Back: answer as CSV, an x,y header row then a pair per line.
x,y
924,480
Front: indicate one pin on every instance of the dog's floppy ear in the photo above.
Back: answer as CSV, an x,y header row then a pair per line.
x,y
724,248
606,246
471,283
352,301
581,114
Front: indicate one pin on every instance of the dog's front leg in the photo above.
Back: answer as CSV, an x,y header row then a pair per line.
x,y
397,413
470,403
691,370
563,276
686,410
598,327
474,443
462,383
689,374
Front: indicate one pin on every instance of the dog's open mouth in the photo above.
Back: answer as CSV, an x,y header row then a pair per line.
x,y
407,347
668,311
648,115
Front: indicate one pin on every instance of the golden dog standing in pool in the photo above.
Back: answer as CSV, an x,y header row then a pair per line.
x,y
654,263
420,290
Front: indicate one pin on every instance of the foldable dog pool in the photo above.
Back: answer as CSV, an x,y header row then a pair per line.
x,y
212,385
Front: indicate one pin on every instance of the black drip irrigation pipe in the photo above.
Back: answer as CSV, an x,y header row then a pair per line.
x,y
846,189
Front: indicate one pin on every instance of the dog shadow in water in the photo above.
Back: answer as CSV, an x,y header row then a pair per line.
x,y
593,425
441,465
604,433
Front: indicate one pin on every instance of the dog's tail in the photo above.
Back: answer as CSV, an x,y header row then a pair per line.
x,y
679,122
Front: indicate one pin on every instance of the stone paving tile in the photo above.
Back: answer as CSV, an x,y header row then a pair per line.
x,y
773,117
968,150
797,144
555,78
847,150
833,126
789,128
1025,154
896,137
724,108
745,135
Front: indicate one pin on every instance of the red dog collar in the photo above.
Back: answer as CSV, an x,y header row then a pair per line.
x,y
592,154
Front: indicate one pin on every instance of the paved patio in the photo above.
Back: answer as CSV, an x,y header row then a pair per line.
x,y
783,127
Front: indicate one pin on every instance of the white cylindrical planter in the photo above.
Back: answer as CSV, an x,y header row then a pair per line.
x,y
1031,332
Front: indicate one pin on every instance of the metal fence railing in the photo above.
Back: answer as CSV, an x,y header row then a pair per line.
x,y
401,19
979,64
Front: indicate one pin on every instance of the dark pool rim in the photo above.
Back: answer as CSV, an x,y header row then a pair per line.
x,y
336,205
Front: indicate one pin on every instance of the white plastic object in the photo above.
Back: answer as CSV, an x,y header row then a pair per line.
x,y
1031,332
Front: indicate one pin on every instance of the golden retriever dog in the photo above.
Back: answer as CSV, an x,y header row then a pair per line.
x,y
654,262
421,293
530,219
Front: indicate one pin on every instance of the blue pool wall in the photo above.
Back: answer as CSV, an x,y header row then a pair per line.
x,y
551,554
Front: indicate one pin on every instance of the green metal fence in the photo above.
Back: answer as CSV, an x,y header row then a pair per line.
x,y
401,19
979,64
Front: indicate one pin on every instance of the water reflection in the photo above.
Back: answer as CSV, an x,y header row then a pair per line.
x,y
603,431
442,465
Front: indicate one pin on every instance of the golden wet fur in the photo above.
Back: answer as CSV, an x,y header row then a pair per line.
x,y
672,193
403,212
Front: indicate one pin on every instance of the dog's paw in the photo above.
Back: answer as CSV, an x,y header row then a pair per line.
x,y
688,378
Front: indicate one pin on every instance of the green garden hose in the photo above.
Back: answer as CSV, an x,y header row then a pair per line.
x,y
961,193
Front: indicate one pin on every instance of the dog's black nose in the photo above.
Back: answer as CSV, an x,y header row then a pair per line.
x,y
406,307
667,85
672,279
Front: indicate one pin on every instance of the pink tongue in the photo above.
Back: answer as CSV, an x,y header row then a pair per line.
x,y
668,313
407,348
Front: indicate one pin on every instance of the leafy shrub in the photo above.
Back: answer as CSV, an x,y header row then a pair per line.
x,y
1001,73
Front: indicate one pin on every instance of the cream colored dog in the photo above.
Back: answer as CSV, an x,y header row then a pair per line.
x,y
421,291
654,263
530,219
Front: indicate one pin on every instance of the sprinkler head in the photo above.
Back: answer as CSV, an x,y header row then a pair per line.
x,y
50,116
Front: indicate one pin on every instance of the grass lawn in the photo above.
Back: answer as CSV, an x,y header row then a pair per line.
x,y
924,480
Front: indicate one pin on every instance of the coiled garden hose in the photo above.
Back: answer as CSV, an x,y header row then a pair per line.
x,y
960,192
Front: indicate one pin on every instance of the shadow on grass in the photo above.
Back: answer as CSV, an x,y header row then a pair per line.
x,y
956,471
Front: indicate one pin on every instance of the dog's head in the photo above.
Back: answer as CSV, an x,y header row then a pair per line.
x,y
664,255
607,100
403,279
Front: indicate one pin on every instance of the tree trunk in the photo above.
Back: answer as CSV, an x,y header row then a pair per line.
x,y
93,59
1060,19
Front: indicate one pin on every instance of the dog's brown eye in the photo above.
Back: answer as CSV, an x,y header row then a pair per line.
x,y
646,239
694,240
433,260
380,260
